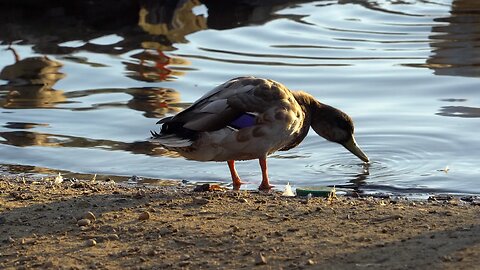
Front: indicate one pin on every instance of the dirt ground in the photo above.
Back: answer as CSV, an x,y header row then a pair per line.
x,y
102,225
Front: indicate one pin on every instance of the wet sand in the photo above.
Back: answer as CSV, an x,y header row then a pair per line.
x,y
103,225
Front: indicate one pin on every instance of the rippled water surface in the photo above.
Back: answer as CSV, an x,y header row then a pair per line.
x,y
406,71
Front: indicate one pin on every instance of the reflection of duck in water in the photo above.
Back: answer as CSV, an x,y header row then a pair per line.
x,y
250,118
171,19
27,138
153,66
155,102
454,46
30,82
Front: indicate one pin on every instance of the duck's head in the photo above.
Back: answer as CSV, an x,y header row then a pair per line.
x,y
335,126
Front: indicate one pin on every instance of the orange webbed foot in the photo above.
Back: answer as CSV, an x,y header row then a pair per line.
x,y
265,187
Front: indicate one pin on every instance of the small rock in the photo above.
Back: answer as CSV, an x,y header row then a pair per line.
x,y
83,222
90,216
144,216
91,243
152,253
140,194
134,179
262,239
243,200
447,258
185,257
200,201
164,231
476,202
440,197
260,260
310,262
48,265
10,240
113,236
184,263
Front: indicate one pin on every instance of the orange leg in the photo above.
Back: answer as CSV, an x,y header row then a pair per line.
x,y
237,182
265,185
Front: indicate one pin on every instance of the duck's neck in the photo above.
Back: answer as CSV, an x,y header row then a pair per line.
x,y
305,101
309,104
312,106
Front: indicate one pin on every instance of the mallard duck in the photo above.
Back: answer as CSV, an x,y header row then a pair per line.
x,y
250,118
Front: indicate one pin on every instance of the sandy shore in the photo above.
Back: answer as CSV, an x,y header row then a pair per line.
x,y
101,225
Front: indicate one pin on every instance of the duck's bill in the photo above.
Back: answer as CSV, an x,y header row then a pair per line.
x,y
352,146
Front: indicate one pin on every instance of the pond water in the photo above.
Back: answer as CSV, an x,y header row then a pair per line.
x,y
406,71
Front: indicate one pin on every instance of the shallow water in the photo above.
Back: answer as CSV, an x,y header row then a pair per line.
x,y
406,71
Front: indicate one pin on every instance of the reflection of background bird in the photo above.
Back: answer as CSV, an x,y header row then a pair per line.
x,y
31,96
27,138
30,82
163,22
32,70
172,19
152,66
155,102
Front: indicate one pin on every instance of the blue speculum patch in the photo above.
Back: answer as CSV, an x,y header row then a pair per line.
x,y
243,121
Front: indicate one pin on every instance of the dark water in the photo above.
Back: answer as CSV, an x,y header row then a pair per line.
x,y
406,71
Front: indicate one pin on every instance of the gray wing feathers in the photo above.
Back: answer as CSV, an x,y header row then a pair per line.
x,y
223,104
248,103
211,121
215,106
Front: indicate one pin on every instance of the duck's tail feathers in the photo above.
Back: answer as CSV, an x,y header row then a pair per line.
x,y
173,135
165,119
170,140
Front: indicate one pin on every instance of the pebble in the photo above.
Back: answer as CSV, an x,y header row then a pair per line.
x,y
144,216
10,240
200,201
140,194
49,264
113,236
152,252
84,222
185,257
184,263
90,216
164,231
262,239
260,260
91,242
310,262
